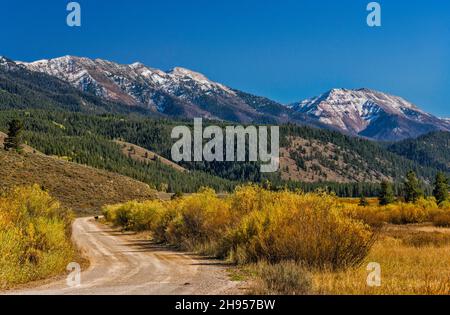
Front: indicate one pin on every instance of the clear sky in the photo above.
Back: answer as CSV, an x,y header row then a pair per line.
x,y
286,50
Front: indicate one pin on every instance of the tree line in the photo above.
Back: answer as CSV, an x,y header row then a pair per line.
x,y
412,190
87,139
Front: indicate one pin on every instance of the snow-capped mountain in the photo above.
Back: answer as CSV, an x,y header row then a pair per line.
x,y
178,92
8,64
185,93
369,113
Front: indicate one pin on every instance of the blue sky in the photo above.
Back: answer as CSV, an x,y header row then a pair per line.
x,y
286,50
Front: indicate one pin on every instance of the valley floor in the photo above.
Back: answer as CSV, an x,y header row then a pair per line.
x,y
414,259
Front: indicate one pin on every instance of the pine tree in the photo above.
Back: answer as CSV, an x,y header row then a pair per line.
x,y
412,189
14,139
386,194
441,187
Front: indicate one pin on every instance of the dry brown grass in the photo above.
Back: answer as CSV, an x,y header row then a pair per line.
x,y
284,278
412,262
143,155
81,188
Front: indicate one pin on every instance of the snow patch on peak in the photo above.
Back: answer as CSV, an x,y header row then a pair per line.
x,y
352,110
137,65
4,61
179,73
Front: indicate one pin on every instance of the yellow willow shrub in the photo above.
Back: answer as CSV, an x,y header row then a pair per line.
x,y
136,216
248,198
308,228
162,228
152,215
110,212
407,213
374,216
445,205
424,210
200,221
442,217
254,224
34,236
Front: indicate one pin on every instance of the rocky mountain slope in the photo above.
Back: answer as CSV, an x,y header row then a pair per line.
x,y
21,88
369,113
178,92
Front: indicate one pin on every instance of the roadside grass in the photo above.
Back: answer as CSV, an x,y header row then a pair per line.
x,y
405,269
408,267
284,278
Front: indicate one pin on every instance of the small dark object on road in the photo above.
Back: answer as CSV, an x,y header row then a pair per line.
x,y
96,218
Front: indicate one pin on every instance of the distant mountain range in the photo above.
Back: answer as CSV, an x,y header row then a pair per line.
x,y
184,93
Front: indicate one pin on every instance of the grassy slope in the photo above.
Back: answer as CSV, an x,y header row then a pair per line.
x,y
143,155
82,188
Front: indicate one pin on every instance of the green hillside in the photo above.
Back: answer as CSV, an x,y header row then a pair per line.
x,y
431,150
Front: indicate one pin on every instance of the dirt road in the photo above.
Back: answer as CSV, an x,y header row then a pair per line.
x,y
124,264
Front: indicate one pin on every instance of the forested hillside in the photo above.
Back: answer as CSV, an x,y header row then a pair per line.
x,y
77,138
89,139
355,158
432,150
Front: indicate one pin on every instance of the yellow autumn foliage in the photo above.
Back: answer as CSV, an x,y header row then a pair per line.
x,y
34,236
254,224
424,210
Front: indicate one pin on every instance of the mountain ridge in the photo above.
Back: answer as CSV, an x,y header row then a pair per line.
x,y
177,92
369,113
185,93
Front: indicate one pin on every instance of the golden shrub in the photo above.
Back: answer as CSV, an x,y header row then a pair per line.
x,y
34,236
442,218
307,228
254,224
201,221
424,210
